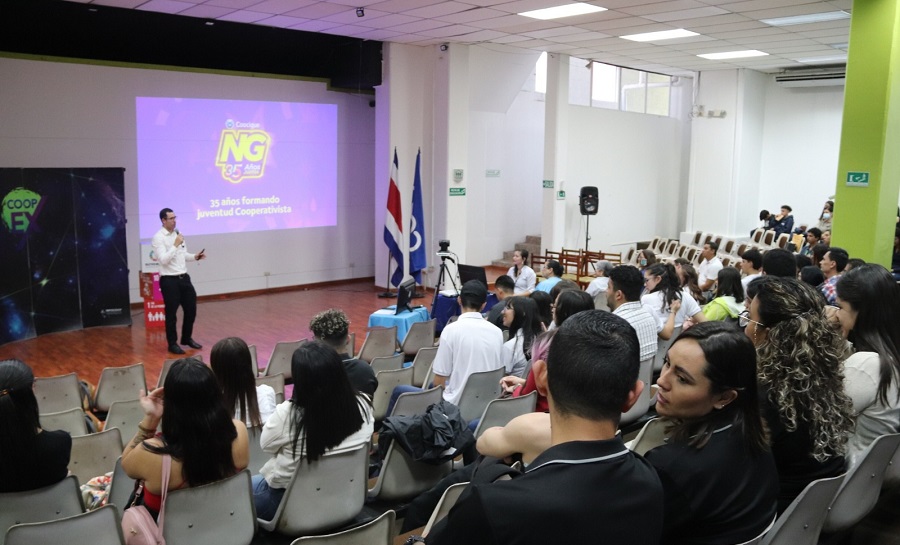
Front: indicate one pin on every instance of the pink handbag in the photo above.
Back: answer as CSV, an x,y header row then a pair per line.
x,y
137,522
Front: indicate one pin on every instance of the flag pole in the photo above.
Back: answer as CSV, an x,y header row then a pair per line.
x,y
387,281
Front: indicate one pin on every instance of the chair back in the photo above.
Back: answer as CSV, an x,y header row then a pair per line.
x,y
726,248
99,527
254,359
662,346
377,532
71,421
671,248
323,494
59,393
642,405
53,502
121,487
652,435
380,341
387,381
167,365
280,360
125,415
859,491
892,474
422,364
801,523
387,363
478,391
119,384
219,512
420,335
95,454
402,478
258,457
758,236
782,240
768,238
277,384
500,411
447,501
695,240
413,403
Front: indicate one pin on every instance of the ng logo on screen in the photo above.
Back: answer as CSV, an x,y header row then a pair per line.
x,y
243,149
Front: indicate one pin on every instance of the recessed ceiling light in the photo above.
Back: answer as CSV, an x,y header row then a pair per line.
x,y
807,19
661,35
733,55
824,59
568,10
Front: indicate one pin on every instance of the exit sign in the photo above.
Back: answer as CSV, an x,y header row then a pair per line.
x,y
457,191
858,179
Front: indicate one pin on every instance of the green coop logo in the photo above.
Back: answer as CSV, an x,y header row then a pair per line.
x,y
20,207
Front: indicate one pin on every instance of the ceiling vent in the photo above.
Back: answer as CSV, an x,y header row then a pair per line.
x,y
821,77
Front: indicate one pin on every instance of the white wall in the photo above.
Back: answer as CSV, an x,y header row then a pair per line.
x,y
76,115
801,143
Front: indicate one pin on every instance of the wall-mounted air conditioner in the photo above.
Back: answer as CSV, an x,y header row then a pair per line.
x,y
812,78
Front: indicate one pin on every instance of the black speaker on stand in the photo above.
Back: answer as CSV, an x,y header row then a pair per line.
x,y
588,203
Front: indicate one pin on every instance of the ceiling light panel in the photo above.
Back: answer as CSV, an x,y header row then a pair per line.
x,y
732,55
566,10
807,19
661,35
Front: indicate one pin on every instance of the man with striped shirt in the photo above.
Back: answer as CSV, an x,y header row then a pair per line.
x,y
623,294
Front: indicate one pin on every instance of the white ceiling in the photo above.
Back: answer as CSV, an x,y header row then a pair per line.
x,y
723,25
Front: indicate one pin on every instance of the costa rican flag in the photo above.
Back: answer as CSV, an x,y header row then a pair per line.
x,y
393,229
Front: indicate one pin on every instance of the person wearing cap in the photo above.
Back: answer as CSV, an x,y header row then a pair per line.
x,y
469,345
597,288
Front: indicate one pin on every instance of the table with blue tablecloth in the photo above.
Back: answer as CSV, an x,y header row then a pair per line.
x,y
387,317
446,307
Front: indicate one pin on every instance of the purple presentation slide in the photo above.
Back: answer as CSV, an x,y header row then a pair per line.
x,y
228,166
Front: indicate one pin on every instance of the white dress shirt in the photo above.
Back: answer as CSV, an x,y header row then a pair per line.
x,y
171,259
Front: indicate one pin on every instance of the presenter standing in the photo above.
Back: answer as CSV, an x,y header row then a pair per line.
x,y
174,281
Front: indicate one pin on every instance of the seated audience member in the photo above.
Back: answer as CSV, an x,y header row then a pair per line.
x,y
764,216
799,366
709,268
518,386
597,288
666,300
325,415
802,261
812,275
852,263
561,286
646,258
233,367
521,318
832,266
552,272
826,217
728,302
813,236
783,222
30,457
590,377
522,274
687,277
332,327
826,237
544,303
717,469
503,287
751,263
779,262
869,315
624,299
818,252
205,443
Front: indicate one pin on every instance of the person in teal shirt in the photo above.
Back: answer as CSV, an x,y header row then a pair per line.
x,y
552,272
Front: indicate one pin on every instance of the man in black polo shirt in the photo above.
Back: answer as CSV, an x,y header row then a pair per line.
x,y
587,487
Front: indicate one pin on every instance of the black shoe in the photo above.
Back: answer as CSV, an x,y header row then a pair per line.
x,y
192,343
175,349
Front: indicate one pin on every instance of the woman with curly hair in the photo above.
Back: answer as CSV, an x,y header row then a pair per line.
x,y
801,381
869,314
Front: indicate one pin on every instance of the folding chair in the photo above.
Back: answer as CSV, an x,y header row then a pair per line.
x,y
121,487
402,478
695,240
420,335
167,364
71,421
254,360
119,384
377,532
758,236
652,435
801,523
277,384
95,454
387,363
478,391
59,393
102,526
387,381
662,346
412,403
219,512
500,411
768,238
782,240
642,405
380,341
53,502
422,364
280,360
445,504
125,415
322,495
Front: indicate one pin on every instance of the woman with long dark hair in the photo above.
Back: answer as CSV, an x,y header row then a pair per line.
x,y
30,457
232,364
205,443
869,314
728,301
524,323
522,274
799,361
325,415
665,299
544,303
718,474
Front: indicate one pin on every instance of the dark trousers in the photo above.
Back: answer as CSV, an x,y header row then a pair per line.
x,y
178,291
